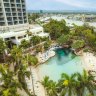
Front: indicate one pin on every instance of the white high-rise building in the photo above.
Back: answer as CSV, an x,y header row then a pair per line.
x,y
14,22
12,12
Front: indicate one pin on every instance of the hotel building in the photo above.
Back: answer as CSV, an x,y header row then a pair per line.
x,y
12,12
14,22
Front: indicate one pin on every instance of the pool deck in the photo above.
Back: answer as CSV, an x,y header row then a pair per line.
x,y
89,61
43,57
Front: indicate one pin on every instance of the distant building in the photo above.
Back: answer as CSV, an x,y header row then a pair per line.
x,y
90,18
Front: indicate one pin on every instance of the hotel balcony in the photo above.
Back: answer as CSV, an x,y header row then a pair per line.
x,y
12,1
9,19
2,23
14,14
21,22
10,23
8,14
23,2
25,21
5,0
20,14
17,1
19,5
24,14
0,10
0,6
13,5
7,10
6,5
13,10
1,19
15,22
15,19
1,15
23,6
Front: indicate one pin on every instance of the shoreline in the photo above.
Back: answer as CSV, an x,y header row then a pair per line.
x,y
89,61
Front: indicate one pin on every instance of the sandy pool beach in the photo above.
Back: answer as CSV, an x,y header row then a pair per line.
x,y
89,61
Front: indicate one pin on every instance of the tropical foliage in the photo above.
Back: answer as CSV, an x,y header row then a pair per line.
x,y
35,40
78,37
2,49
47,44
78,44
10,83
25,44
33,17
56,28
64,39
70,85
13,73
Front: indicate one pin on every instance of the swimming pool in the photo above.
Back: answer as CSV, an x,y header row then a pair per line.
x,y
63,62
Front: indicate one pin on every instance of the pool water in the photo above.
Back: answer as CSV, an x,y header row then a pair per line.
x,y
63,62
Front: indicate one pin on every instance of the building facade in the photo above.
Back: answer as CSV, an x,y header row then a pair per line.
x,y
14,22
13,12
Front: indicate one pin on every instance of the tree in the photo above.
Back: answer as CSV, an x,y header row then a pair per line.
x,y
50,86
20,66
2,48
47,44
89,37
25,44
64,39
10,83
39,48
56,28
78,44
35,40
33,17
67,84
16,56
85,84
21,75
31,61
76,84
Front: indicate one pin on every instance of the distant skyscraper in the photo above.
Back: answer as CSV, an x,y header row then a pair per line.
x,y
12,12
41,11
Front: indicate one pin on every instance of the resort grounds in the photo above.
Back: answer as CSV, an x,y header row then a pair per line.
x,y
88,63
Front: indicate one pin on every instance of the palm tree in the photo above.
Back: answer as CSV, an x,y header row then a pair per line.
x,y
9,82
20,66
22,74
35,40
67,85
25,44
31,61
2,48
52,89
50,86
45,81
85,84
16,55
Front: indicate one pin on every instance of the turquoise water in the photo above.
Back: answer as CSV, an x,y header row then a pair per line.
x,y
63,62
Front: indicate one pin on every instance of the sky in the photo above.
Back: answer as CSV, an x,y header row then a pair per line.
x,y
61,4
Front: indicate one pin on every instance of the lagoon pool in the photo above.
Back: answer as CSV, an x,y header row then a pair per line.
x,y
63,62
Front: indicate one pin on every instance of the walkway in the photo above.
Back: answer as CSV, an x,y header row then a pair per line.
x,y
33,83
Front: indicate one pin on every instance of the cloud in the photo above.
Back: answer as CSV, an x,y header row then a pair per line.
x,y
61,4
79,3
